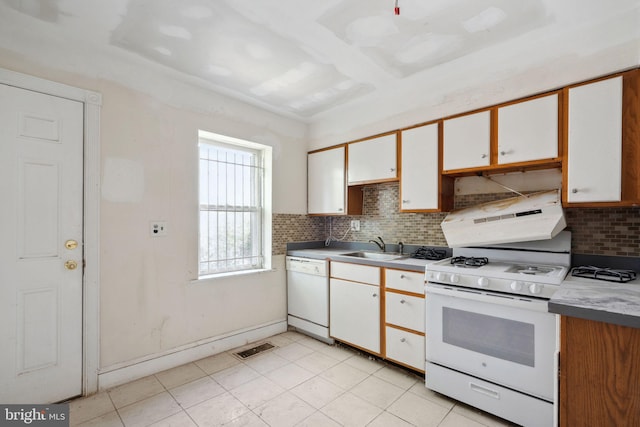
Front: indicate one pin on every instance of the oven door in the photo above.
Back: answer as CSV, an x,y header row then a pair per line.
x,y
505,339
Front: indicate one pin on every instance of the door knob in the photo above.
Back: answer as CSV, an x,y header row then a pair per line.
x,y
70,244
70,265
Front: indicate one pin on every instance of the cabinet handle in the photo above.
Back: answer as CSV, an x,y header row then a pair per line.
x,y
402,339
340,209
402,301
574,191
503,153
405,201
484,156
392,169
402,276
374,295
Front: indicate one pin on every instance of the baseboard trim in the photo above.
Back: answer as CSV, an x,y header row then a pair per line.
x,y
121,373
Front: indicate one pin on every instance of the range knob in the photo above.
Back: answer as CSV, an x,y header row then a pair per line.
x,y
454,278
440,277
516,286
483,282
535,288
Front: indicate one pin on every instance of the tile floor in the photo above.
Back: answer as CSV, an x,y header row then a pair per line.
x,y
301,382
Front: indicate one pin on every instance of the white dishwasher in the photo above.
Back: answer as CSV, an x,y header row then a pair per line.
x,y
308,296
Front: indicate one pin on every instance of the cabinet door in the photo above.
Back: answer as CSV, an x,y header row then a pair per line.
x,y
528,130
356,272
594,167
419,175
355,314
405,311
405,347
325,181
404,281
467,141
373,160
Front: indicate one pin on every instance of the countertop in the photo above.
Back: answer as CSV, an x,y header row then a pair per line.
x,y
337,254
602,301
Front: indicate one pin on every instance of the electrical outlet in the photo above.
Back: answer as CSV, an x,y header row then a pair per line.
x,y
355,225
158,228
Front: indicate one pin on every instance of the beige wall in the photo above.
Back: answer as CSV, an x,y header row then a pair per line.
x,y
149,172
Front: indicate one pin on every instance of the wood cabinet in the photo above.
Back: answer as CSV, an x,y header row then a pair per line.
x,y
528,130
405,318
373,160
602,162
503,138
422,187
467,141
599,374
354,314
327,193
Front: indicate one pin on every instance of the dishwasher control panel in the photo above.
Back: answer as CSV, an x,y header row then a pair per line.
x,y
317,267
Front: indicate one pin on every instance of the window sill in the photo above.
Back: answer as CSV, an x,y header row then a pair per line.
x,y
203,280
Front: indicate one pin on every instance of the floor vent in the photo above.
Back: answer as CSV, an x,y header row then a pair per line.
x,y
245,354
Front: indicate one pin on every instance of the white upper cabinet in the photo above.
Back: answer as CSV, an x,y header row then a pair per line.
x,y
528,130
467,141
419,175
326,181
594,145
373,160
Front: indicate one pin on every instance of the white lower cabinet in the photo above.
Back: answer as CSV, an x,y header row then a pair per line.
x,y
405,318
355,307
357,316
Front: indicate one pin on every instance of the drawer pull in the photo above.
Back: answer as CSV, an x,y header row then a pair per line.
x,y
402,301
374,295
402,276
483,390
403,339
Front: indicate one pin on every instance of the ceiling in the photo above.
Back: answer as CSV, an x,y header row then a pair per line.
x,y
305,58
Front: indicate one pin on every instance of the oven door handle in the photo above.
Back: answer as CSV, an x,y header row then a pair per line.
x,y
507,300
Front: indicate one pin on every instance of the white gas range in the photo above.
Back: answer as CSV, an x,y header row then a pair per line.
x,y
490,340
515,271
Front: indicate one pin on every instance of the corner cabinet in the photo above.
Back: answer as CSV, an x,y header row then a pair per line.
x,y
354,314
422,188
602,162
373,160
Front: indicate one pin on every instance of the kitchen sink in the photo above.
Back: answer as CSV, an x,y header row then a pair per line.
x,y
380,256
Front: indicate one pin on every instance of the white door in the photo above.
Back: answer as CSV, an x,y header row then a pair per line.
x,y
419,175
41,186
467,141
528,130
325,184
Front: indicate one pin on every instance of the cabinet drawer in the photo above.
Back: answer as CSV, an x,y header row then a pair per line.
x,y
404,281
404,310
405,347
356,272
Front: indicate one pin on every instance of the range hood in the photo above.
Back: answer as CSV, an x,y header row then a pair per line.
x,y
536,216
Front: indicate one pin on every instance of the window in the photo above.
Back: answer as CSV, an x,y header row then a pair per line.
x,y
234,200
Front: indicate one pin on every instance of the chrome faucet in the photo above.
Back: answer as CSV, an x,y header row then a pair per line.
x,y
401,248
380,244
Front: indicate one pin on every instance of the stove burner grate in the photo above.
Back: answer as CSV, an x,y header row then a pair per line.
x,y
600,273
428,253
463,261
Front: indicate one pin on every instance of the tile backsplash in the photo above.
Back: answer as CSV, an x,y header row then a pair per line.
x,y
596,231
